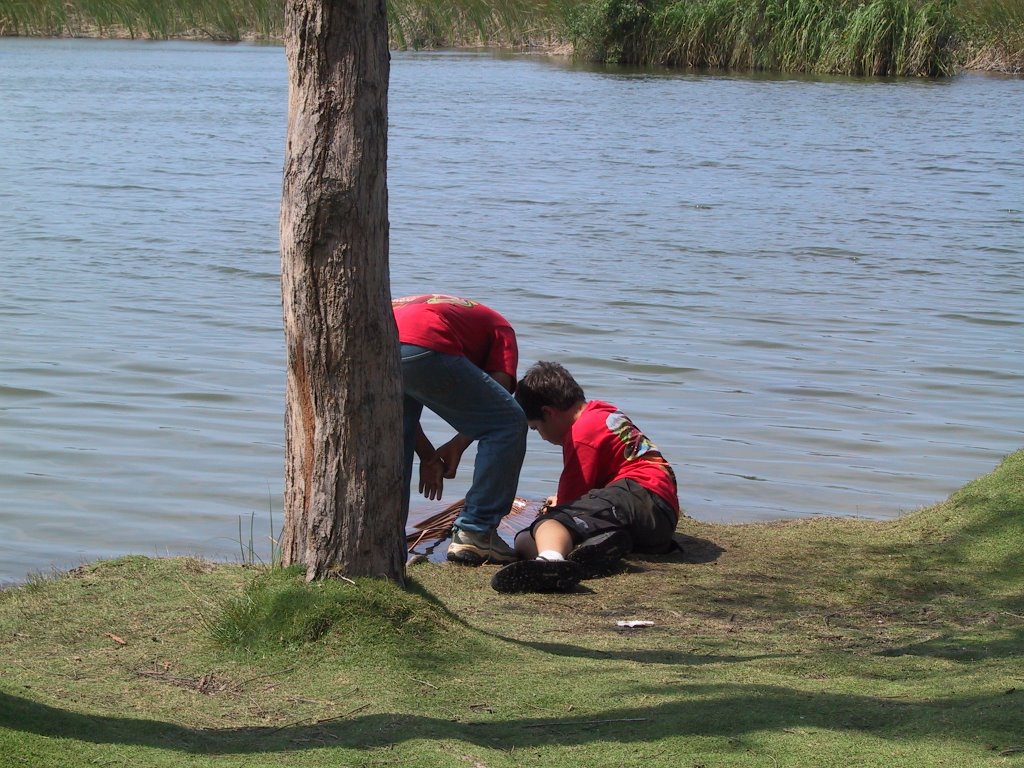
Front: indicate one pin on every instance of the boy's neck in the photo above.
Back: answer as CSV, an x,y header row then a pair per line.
x,y
567,418
576,410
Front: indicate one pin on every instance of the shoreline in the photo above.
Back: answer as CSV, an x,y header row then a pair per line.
x,y
520,517
982,61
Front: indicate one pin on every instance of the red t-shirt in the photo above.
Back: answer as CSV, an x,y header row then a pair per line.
x,y
458,326
603,446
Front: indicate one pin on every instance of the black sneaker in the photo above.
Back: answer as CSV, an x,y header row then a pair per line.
x,y
599,555
538,576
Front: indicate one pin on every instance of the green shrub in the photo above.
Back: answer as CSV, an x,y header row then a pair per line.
x,y
614,31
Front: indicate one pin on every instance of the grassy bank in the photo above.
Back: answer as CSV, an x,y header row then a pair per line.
x,y
856,37
827,642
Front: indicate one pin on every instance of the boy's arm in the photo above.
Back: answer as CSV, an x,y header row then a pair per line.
x,y
451,452
504,379
431,466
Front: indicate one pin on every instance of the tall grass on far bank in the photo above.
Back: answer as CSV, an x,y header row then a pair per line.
x,y
879,37
854,37
412,23
993,34
452,23
227,20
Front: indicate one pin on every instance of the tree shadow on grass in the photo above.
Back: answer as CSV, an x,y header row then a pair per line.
x,y
726,710
643,655
964,649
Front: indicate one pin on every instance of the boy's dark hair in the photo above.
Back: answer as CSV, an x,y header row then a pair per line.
x,y
547,384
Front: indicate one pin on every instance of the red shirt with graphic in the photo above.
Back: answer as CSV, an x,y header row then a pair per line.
x,y
603,446
458,326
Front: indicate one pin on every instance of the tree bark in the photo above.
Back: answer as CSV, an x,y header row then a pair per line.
x,y
343,475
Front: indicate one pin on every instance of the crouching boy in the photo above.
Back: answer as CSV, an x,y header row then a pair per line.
x,y
616,493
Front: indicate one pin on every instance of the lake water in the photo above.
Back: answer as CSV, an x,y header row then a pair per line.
x,y
809,292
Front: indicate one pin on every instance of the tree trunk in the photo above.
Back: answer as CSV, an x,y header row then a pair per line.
x,y
343,475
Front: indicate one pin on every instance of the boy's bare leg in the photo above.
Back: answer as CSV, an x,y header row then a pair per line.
x,y
552,535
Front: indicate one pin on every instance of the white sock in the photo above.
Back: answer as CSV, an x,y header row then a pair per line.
x,y
550,554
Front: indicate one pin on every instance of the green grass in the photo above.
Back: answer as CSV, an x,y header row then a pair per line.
x,y
880,37
826,642
852,37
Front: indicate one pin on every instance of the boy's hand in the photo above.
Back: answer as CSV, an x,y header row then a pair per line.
x,y
549,502
451,452
432,477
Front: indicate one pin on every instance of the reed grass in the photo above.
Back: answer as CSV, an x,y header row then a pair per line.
x,y
227,20
993,34
854,37
880,37
450,23
250,551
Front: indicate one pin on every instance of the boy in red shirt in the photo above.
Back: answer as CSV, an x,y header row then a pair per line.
x,y
616,494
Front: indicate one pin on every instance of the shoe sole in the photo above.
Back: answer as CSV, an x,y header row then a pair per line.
x,y
600,555
538,576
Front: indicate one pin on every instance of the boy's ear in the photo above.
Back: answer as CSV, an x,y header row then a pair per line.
x,y
545,411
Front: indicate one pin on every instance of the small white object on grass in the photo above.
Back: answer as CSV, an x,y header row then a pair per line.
x,y
632,623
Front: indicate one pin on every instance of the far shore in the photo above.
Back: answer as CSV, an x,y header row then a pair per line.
x,y
982,61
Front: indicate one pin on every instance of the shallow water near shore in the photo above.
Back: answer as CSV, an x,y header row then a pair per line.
x,y
807,291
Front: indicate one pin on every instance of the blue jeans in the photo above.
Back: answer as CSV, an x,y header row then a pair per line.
x,y
478,407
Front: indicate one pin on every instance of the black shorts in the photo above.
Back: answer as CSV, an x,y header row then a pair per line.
x,y
625,504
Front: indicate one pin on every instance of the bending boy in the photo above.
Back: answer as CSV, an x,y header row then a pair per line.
x,y
616,493
459,359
